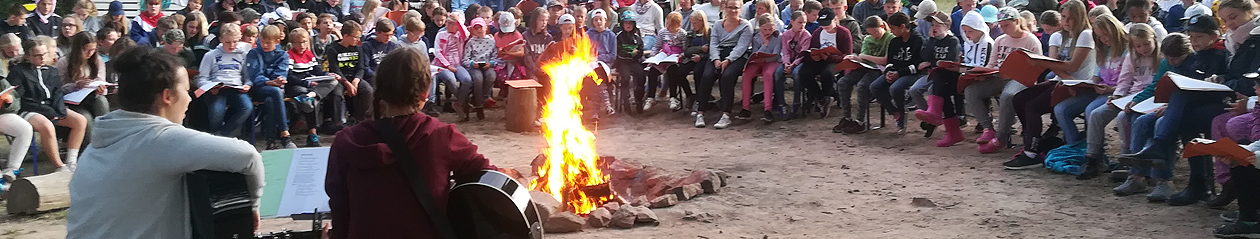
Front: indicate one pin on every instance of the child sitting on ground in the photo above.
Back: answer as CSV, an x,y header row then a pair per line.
x,y
269,72
309,94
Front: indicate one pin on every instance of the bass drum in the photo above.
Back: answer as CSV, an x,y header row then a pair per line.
x,y
490,204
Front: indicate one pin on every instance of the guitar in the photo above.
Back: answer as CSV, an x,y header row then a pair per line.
x,y
490,204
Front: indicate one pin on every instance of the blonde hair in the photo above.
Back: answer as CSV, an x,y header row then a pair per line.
x,y
272,32
203,27
1118,43
769,4
1145,32
698,17
8,40
229,29
87,4
1099,11
674,19
1246,6
765,18
369,9
249,31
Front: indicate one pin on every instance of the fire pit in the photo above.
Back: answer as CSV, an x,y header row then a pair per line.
x,y
575,187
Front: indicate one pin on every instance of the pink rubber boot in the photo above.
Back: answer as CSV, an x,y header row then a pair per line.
x,y
953,135
933,113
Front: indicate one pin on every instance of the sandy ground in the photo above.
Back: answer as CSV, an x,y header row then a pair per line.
x,y
796,179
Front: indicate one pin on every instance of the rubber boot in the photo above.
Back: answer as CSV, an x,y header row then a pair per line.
x,y
1092,168
953,134
1199,183
933,113
1226,197
1154,149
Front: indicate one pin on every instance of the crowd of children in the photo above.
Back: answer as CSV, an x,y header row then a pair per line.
x,y
281,62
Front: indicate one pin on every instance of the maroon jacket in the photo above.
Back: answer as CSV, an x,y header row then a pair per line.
x,y
843,43
369,196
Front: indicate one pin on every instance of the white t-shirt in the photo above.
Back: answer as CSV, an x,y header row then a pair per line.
x,y
826,39
1085,40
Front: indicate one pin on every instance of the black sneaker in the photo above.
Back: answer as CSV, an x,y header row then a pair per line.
x,y
1022,161
312,141
767,117
744,115
928,129
843,126
430,110
287,143
272,145
1238,230
1118,173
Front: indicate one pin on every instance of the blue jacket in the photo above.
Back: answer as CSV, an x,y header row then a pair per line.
x,y
371,52
606,48
141,36
267,65
1244,62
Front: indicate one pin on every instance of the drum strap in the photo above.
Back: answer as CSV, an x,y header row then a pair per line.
x,y
410,170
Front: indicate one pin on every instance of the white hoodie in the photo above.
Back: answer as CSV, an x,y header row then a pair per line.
x,y
221,66
976,53
130,180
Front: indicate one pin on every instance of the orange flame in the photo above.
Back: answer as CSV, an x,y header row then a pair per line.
x,y
571,158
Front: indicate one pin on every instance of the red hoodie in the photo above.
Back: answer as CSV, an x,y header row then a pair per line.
x,y
369,196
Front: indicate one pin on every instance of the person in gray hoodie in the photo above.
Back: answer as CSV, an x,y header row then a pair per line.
x,y
143,146
730,39
228,105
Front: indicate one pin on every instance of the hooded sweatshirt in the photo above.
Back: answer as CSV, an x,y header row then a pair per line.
x,y
976,53
151,155
605,44
367,193
630,46
903,54
221,66
47,25
535,44
371,52
942,49
267,65
1135,74
449,48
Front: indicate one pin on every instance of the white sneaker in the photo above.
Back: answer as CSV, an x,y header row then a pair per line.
x,y
647,103
724,122
699,119
675,104
65,169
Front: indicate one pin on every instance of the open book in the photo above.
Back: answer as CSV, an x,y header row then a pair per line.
x,y
1173,82
969,76
1016,67
824,52
1224,147
206,88
663,58
848,65
1146,106
77,97
1066,88
320,79
762,57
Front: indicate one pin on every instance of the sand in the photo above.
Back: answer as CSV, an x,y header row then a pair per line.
x,y
797,179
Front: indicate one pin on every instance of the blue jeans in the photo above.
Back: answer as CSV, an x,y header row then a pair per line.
x,y
228,110
1189,112
274,118
1143,129
892,96
465,85
1069,108
444,76
780,80
917,91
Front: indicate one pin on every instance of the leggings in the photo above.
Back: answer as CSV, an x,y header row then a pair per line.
x,y
725,81
767,71
1247,181
16,126
676,79
1029,105
945,86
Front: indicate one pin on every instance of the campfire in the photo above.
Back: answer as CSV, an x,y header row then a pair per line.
x,y
576,187
571,173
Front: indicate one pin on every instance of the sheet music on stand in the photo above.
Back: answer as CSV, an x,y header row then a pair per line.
x,y
295,182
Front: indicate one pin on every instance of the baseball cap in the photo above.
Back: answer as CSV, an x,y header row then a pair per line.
x,y
990,13
1006,13
938,17
825,16
1202,24
1196,10
507,22
116,8
628,16
566,19
555,3
478,22
926,8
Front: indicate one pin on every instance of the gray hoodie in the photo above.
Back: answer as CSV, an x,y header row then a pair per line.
x,y
221,66
130,180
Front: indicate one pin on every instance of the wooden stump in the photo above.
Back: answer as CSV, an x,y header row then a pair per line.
x,y
522,106
39,193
